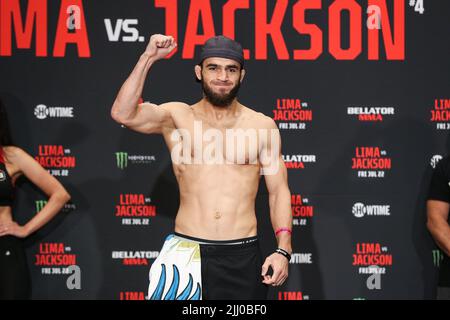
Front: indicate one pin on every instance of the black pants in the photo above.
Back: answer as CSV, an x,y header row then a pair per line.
x,y
231,271
14,276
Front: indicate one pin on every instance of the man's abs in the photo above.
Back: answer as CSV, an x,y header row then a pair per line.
x,y
217,201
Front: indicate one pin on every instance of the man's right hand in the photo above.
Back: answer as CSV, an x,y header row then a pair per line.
x,y
160,46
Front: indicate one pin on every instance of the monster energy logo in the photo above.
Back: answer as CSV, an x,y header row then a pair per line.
x,y
122,159
40,204
437,257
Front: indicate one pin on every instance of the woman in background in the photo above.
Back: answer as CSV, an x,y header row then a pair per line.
x,y
15,162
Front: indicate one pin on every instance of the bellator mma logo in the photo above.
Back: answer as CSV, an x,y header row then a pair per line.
x,y
134,258
371,162
132,207
371,114
56,158
292,114
297,161
301,210
71,27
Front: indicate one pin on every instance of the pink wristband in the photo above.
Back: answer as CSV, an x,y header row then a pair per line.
x,y
279,230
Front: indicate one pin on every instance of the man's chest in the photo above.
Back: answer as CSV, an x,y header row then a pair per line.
x,y
200,141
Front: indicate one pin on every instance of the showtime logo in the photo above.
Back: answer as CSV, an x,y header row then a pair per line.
x,y
134,258
301,258
370,114
301,210
360,210
435,160
371,162
298,161
42,112
292,114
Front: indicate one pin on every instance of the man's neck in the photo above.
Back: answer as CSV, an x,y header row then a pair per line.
x,y
219,113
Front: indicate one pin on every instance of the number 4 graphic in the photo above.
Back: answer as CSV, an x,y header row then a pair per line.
x,y
418,5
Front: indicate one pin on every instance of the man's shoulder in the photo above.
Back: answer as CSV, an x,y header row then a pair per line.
x,y
176,106
260,119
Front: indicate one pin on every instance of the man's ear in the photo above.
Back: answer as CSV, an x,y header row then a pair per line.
x,y
242,74
198,72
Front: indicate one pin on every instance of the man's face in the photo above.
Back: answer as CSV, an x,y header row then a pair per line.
x,y
221,79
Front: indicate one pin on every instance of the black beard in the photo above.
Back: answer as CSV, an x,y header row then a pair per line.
x,y
219,100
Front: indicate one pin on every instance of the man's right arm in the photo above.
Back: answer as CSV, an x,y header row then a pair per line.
x,y
144,117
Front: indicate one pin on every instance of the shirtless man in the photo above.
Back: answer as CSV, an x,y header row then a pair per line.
x,y
213,252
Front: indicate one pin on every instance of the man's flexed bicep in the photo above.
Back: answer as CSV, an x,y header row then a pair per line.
x,y
126,109
151,118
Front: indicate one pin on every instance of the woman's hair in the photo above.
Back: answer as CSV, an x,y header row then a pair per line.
x,y
5,133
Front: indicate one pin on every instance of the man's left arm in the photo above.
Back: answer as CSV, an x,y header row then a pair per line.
x,y
275,174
